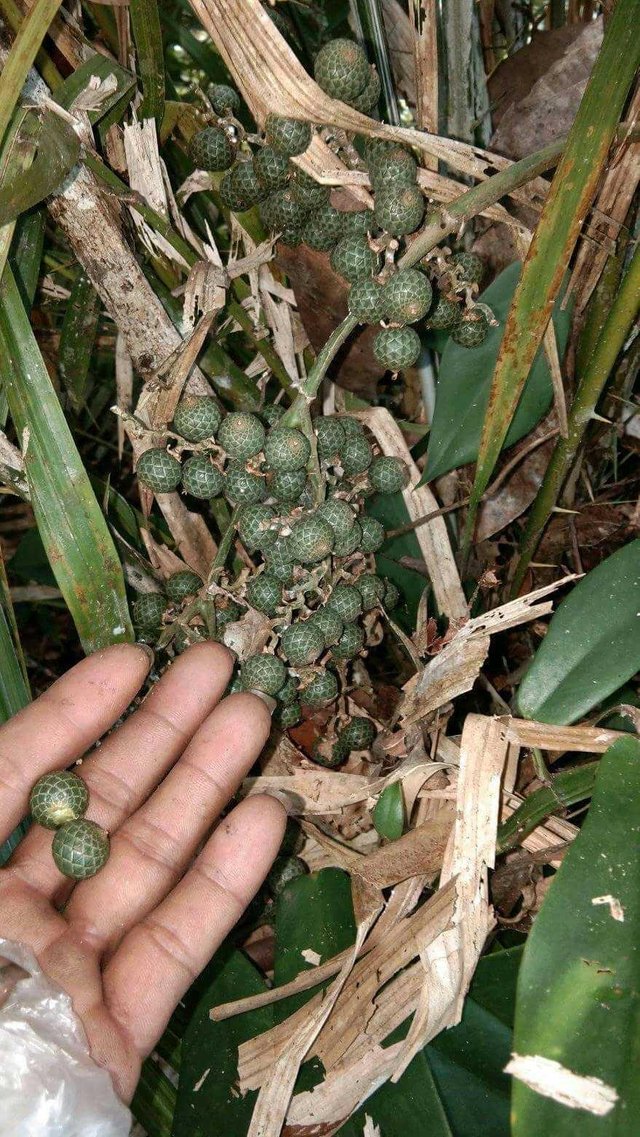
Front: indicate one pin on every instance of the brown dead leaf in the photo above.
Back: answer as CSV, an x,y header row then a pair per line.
x,y
517,492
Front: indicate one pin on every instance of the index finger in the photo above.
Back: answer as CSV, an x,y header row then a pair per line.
x,y
64,722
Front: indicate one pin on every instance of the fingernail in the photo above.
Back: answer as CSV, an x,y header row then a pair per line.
x,y
269,703
148,651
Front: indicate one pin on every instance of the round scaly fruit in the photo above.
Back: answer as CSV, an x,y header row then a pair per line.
x,y
339,514
226,612
241,487
321,689
371,589
399,210
242,435
287,485
357,222
330,624
388,474
375,148
280,560
311,539
331,760
230,195
342,69
281,210
286,449
148,611
323,229
308,191
372,534
407,296
394,168
263,672
288,694
357,456
57,798
223,99
264,593
472,329
366,301
302,643
391,595
211,149
347,544
254,523
271,169
80,849
197,417
358,734
331,437
346,602
201,479
245,185
444,314
471,266
159,470
272,413
291,237
350,644
182,584
367,101
289,136
353,258
397,348
287,717
352,427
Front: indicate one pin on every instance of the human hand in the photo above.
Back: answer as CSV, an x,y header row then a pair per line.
x,y
127,943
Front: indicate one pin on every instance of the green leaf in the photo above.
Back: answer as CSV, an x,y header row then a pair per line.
x,y
391,511
464,383
23,52
567,788
147,35
579,988
57,150
25,257
592,645
77,338
388,815
111,107
313,912
73,530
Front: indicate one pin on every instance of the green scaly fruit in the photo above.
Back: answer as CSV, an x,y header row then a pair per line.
x,y
182,584
311,539
197,417
291,237
371,589
341,68
350,644
226,612
242,435
331,625
352,540
271,169
280,560
357,222
241,487
263,672
159,470
367,301
352,427
286,717
308,191
358,734
289,136
472,266
245,185
224,99
346,602
367,101
388,474
397,348
444,314
394,168
211,149
353,258
331,437
391,595
302,643
202,479
229,194
286,449
288,694
323,229
254,523
271,413
148,611
339,514
57,798
282,211
287,485
338,755
372,534
321,689
357,456
264,593
80,849
399,209
472,329
407,296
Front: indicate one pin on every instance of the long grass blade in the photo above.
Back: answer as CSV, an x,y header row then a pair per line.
x,y
23,52
368,16
147,35
14,689
73,530
572,191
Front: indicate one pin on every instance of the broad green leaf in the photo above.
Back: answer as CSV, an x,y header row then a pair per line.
x,y
77,338
74,532
57,147
147,35
391,511
464,383
315,913
592,645
25,257
388,814
579,988
111,107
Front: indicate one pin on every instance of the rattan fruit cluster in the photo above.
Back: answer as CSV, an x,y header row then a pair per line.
x,y
59,801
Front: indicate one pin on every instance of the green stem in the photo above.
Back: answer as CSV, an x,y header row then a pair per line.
x,y
568,788
23,52
616,329
226,543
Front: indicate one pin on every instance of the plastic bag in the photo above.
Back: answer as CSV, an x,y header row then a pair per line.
x,y
49,1084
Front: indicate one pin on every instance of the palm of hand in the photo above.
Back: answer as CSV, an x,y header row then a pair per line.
x,y
127,943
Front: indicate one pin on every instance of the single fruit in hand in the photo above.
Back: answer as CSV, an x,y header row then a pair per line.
x,y
58,798
80,849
